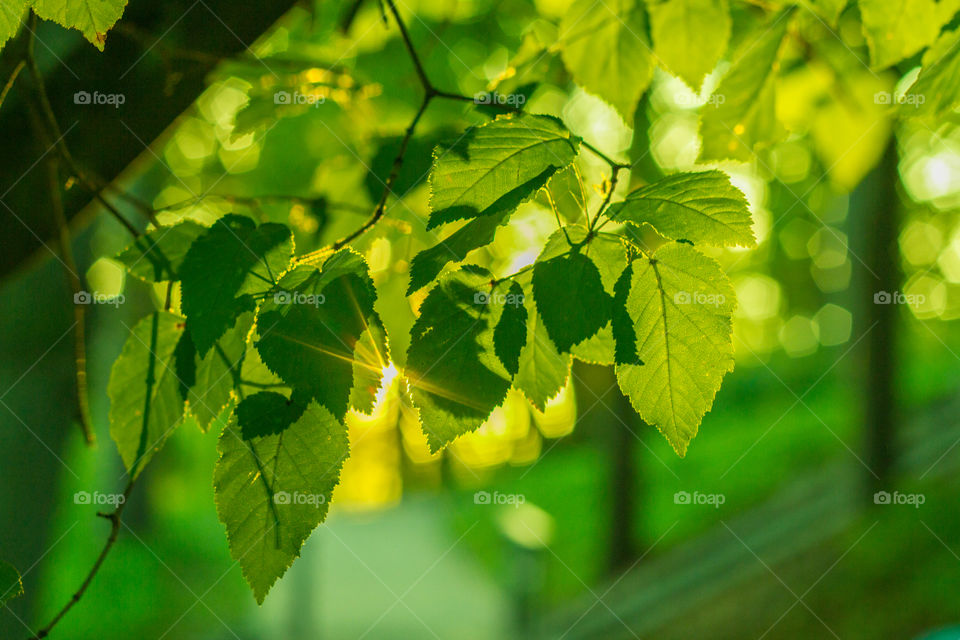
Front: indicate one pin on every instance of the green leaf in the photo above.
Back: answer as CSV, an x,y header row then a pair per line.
x,y
92,18
510,334
455,375
936,93
608,253
371,355
704,208
310,330
681,303
225,268
208,382
570,298
274,481
157,255
11,586
11,17
829,10
542,370
428,264
897,29
741,117
496,166
689,36
146,403
606,49
597,349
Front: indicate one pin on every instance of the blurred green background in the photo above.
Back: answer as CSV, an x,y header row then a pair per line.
x,y
594,537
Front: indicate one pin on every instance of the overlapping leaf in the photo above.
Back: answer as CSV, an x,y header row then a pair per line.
x,y
742,116
606,49
225,268
494,167
208,381
157,255
679,346
689,36
704,208
146,403
278,467
428,264
456,377
542,370
311,331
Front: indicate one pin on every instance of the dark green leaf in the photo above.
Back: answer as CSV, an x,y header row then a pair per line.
x,y
10,584
273,482
570,298
311,329
157,255
455,375
225,268
511,332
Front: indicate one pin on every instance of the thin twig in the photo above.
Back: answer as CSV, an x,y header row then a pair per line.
x,y
606,201
114,518
57,135
11,80
79,315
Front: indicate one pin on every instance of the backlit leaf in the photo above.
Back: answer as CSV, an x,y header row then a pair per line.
x,y
606,49
494,167
274,480
681,303
146,402
704,208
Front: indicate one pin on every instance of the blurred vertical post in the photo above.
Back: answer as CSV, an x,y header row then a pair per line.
x,y
607,413
875,206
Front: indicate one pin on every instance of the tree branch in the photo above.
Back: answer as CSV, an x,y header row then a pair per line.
x,y
114,518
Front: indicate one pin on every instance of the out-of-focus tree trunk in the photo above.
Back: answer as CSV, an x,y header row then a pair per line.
x,y
875,207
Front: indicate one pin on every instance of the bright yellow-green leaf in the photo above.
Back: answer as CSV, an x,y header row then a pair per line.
x,y
494,167
703,207
689,36
741,117
93,18
936,93
680,303
897,29
11,16
606,49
